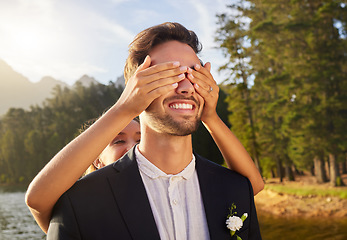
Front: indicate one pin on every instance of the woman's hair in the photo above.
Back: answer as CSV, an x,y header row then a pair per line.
x,y
84,127
146,40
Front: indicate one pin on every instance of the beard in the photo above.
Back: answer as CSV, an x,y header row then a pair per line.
x,y
165,123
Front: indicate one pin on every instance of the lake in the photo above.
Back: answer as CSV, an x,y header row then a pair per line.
x,y
16,222
296,229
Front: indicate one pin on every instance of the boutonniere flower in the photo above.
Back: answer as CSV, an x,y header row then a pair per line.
x,y
235,223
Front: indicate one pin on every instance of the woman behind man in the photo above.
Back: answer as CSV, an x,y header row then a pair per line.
x,y
122,143
98,145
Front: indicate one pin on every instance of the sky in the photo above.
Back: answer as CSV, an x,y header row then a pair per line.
x,y
66,39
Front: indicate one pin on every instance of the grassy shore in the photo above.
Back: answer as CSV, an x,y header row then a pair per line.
x,y
308,191
302,198
13,187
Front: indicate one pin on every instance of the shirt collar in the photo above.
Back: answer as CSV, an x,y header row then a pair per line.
x,y
152,171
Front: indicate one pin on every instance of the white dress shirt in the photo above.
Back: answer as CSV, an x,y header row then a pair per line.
x,y
175,201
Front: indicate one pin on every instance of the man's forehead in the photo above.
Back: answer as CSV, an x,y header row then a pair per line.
x,y
174,51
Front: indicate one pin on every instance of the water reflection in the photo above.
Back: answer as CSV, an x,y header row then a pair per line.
x,y
16,221
274,228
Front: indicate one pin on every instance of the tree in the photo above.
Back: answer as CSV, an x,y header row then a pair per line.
x,y
296,54
232,36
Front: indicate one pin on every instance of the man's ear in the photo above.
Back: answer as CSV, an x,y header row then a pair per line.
x,y
98,164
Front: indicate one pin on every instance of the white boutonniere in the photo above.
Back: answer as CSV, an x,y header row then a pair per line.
x,y
235,223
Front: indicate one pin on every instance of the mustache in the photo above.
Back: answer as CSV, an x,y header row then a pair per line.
x,y
191,98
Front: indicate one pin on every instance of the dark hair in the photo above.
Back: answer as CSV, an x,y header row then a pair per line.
x,y
146,40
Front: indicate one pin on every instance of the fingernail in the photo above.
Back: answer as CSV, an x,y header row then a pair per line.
x,y
196,85
175,85
197,66
176,64
181,76
183,69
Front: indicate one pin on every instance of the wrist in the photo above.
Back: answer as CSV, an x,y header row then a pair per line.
x,y
120,111
210,119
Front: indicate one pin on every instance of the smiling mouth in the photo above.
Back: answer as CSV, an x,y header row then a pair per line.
x,y
183,106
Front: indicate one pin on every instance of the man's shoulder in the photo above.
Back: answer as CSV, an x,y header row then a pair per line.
x,y
212,166
91,182
213,169
98,180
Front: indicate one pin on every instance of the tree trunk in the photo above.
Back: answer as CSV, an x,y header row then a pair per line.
x,y
289,173
279,169
312,171
288,168
296,170
335,177
273,174
327,167
246,96
319,168
344,165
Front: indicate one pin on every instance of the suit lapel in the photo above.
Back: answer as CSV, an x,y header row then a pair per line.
x,y
212,195
130,195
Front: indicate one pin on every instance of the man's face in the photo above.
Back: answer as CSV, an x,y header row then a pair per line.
x,y
178,112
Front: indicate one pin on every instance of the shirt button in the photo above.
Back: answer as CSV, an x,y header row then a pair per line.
x,y
174,201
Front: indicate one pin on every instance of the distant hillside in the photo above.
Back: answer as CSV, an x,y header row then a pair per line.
x,y
17,91
86,81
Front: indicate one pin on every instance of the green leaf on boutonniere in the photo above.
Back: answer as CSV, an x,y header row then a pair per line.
x,y
234,223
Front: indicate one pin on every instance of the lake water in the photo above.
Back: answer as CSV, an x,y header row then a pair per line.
x,y
16,222
297,229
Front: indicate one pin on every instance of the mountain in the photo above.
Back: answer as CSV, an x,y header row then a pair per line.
x,y
86,81
120,81
17,91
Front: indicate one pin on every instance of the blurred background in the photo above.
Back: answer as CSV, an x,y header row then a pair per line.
x,y
281,66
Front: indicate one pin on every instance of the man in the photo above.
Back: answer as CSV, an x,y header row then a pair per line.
x,y
159,189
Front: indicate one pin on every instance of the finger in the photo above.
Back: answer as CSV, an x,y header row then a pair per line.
x,y
161,67
167,76
208,66
200,79
146,64
161,71
203,77
202,91
159,91
204,71
151,86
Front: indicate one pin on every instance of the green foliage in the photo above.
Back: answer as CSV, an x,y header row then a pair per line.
x,y
287,63
308,191
29,139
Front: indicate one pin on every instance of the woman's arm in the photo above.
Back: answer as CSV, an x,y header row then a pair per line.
x,y
235,155
64,169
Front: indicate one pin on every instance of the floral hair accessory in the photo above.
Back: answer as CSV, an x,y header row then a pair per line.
x,y
235,223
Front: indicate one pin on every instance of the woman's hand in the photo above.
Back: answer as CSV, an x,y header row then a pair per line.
x,y
207,88
148,83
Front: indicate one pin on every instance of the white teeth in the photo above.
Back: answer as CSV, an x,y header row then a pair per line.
x,y
181,106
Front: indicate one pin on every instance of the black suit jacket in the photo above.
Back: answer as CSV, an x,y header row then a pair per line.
x,y
112,203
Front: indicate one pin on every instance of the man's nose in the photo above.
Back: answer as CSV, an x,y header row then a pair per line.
x,y
185,87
